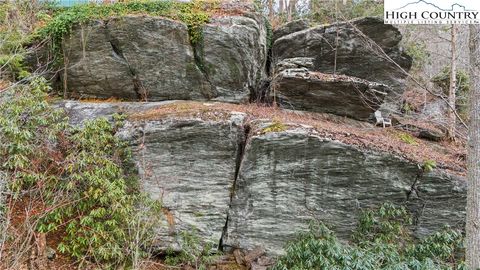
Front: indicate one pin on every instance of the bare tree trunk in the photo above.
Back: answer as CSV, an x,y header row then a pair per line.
x,y
281,7
270,10
453,85
473,164
291,9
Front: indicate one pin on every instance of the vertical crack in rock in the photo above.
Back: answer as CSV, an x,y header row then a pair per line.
x,y
199,63
413,187
118,54
242,143
414,209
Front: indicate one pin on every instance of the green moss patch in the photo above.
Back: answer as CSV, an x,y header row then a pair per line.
x,y
194,14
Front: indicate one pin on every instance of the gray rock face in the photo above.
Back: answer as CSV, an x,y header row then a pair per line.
x,y
341,95
133,57
189,164
290,27
438,199
151,58
79,112
288,178
280,180
233,53
354,56
431,135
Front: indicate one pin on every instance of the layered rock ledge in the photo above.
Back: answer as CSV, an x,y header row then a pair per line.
x,y
364,48
341,95
240,180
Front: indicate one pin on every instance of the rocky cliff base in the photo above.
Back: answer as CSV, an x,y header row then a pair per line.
x,y
248,176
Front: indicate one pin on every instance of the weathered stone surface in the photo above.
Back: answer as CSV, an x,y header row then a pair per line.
x,y
151,58
355,55
288,178
281,180
438,199
233,53
431,135
290,27
342,95
295,63
189,164
133,57
78,111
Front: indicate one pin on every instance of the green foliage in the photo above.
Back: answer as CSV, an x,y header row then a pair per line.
x,y
97,183
442,80
275,126
407,108
29,128
79,174
16,20
418,51
379,243
386,225
407,138
429,165
193,252
324,11
194,14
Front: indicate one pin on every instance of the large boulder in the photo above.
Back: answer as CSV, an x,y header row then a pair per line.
x,y
355,54
133,58
290,27
151,58
291,177
342,95
233,53
245,183
187,162
364,48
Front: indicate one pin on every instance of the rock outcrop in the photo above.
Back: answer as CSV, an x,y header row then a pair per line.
x,y
187,162
318,92
242,183
151,58
346,48
289,178
290,27
194,185
233,53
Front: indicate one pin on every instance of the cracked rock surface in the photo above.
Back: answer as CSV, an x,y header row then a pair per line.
x,y
344,48
233,52
150,58
189,164
241,187
289,178
341,95
133,58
